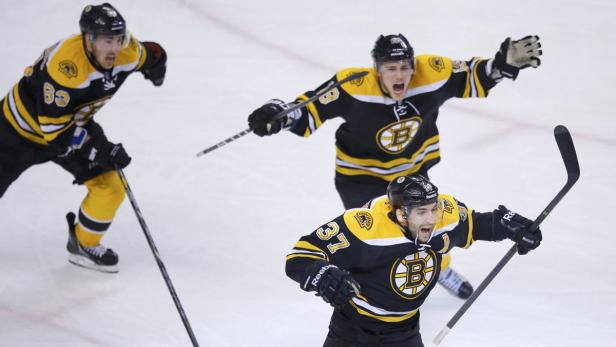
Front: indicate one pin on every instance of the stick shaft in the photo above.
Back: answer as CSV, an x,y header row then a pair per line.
x,y
567,151
287,111
161,265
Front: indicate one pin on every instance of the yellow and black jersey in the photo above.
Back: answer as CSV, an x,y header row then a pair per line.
x,y
384,138
63,88
395,275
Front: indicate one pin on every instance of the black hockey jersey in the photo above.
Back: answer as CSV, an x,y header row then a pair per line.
x,y
63,88
384,138
395,275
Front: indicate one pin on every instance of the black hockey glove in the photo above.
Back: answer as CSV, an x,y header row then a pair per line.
x,y
155,68
516,55
262,121
112,156
334,285
96,148
515,227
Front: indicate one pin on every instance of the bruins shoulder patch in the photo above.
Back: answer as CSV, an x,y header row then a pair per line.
x,y
357,82
364,219
68,68
436,63
447,206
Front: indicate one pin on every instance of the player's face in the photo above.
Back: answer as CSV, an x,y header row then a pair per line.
x,y
105,49
395,77
421,221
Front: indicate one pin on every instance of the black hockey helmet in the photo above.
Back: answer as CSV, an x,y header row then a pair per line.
x,y
392,48
102,19
411,191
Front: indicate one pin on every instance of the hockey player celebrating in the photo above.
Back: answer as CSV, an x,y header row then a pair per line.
x,y
390,115
376,265
48,116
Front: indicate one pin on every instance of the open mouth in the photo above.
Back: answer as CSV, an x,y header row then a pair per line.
x,y
424,233
398,87
425,230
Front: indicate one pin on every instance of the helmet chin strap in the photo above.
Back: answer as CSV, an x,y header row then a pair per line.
x,y
421,245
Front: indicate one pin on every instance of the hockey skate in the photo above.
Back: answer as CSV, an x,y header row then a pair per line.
x,y
455,283
99,258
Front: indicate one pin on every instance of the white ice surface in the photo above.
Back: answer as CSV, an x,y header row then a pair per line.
x,y
224,222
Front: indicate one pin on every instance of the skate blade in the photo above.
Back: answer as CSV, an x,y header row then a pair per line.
x,y
88,264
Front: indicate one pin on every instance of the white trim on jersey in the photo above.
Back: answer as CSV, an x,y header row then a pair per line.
x,y
18,117
377,310
51,128
387,241
382,99
303,251
393,170
471,78
445,229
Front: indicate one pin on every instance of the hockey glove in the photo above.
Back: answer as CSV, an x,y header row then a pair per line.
x,y
156,65
334,285
112,156
516,55
263,120
515,227
96,148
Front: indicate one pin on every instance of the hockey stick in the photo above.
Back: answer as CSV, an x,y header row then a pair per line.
x,y
161,266
567,151
287,111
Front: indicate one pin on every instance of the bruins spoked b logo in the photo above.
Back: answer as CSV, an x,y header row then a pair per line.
x,y
411,275
396,136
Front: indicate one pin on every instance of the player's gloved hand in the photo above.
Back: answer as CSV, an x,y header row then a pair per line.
x,y
515,55
112,156
515,227
155,71
262,121
334,285
97,148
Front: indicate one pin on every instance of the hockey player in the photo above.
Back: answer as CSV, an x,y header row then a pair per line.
x,y
390,115
376,265
48,116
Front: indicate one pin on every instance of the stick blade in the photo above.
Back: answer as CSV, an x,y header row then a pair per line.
x,y
441,335
567,151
